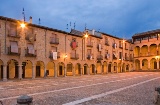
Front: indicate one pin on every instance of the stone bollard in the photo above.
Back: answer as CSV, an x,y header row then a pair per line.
x,y
157,97
24,100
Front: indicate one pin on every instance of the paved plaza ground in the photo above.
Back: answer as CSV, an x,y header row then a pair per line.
x,y
131,88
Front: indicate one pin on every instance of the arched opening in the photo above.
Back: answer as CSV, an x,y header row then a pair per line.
x,y
153,64
98,67
136,51
127,67
159,49
69,69
50,69
40,69
27,69
137,64
92,69
12,69
144,50
60,70
85,70
153,49
109,67
105,67
1,69
78,69
144,64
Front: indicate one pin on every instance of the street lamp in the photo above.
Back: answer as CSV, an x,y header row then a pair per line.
x,y
22,25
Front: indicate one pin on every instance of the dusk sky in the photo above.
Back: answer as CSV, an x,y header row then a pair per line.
x,y
121,18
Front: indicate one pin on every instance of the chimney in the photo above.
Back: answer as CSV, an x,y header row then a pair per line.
x,y
93,32
30,19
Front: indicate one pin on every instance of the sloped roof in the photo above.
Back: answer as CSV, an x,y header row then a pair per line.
x,y
76,32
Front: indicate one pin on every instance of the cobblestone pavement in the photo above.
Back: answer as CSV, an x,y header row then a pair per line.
x,y
132,88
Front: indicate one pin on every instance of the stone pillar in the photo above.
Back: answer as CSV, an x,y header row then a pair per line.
x,y
73,71
65,72
20,71
141,65
157,64
45,74
94,70
148,65
88,71
81,71
55,71
4,72
33,72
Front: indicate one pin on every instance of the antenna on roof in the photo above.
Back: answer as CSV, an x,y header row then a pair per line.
x,y
23,15
70,24
85,26
39,21
74,25
98,30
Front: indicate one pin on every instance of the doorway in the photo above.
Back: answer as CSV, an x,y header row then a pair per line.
x,y
85,70
109,67
155,65
1,71
16,71
38,68
60,70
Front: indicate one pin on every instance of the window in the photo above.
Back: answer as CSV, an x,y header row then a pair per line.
x,y
12,31
54,49
30,49
14,46
120,55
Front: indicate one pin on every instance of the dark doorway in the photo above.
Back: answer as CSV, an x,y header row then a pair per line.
x,y
155,65
16,71
60,70
85,70
102,68
79,69
109,67
1,71
23,71
93,68
7,72
38,68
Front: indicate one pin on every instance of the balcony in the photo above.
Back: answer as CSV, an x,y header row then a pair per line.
x,y
90,44
14,35
107,43
114,45
31,37
144,54
90,56
30,53
131,59
126,58
99,57
14,51
54,41
114,57
120,46
126,48
130,49
74,45
74,56
51,55
107,56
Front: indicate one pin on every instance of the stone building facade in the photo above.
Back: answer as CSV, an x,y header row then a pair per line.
x,y
147,50
36,51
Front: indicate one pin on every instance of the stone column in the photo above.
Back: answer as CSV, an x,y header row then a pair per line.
x,y
33,72
73,71
148,65
20,71
4,72
88,71
65,71
157,64
55,71
45,74
94,70
141,65
81,71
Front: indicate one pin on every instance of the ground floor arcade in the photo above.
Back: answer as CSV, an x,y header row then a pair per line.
x,y
27,69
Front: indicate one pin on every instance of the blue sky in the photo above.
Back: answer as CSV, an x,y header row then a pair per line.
x,y
121,18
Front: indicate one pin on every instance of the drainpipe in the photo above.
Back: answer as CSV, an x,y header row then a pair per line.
x,y
5,37
45,41
82,48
